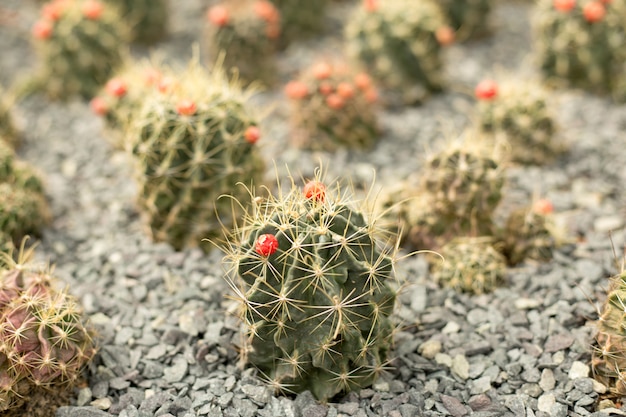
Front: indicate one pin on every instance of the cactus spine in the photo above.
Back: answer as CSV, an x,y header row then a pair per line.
x,y
313,286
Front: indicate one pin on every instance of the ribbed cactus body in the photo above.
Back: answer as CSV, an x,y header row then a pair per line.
x,y
470,18
396,43
528,235
576,51
192,145
79,53
301,18
316,305
332,108
147,19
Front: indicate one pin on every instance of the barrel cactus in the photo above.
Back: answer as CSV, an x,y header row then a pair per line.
x,y
193,140
147,19
314,290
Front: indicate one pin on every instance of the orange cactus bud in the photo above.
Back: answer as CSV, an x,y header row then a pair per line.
x,y
370,5
326,88
252,134
543,207
42,29
186,107
594,11
93,9
296,90
266,244
99,106
564,5
218,15
363,81
266,11
345,90
486,90
116,87
445,35
322,70
314,190
335,101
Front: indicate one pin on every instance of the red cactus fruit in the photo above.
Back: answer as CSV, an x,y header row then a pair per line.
x,y
116,87
218,15
266,11
335,101
314,190
594,11
42,29
370,5
445,35
345,90
564,5
362,81
93,9
486,90
543,207
252,134
186,107
99,106
296,90
322,71
266,244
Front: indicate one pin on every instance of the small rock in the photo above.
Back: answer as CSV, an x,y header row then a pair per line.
x,y
480,385
545,403
453,405
177,371
599,387
348,408
558,342
578,370
101,403
80,412
430,348
527,303
608,223
451,328
547,381
84,396
479,402
443,359
460,367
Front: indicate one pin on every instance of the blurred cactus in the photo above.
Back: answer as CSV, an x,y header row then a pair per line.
x,y
313,286
301,18
333,107
8,130
469,18
147,19
399,42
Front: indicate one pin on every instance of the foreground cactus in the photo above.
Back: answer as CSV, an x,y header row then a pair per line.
x,y
313,284
79,44
470,18
397,42
247,31
193,140
332,107
581,44
519,118
147,19
301,18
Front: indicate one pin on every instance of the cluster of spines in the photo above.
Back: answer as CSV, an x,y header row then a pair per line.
x,y
332,108
312,282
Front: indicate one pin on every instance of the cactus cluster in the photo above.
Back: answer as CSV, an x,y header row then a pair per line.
x,y
518,117
314,289
248,32
8,130
301,18
79,44
147,19
469,18
581,44
333,107
399,42
44,342
192,140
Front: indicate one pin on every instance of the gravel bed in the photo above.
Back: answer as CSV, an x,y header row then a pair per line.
x,y
167,331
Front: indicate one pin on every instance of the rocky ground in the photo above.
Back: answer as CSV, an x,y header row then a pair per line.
x,y
167,334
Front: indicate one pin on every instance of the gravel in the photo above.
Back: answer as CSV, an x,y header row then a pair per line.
x,y
168,338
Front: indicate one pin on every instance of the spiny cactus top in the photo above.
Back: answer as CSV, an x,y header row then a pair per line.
x,y
193,140
313,283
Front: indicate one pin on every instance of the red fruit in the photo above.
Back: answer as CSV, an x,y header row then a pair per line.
x,y
486,90
335,101
314,190
322,71
116,87
362,81
594,11
93,9
543,206
345,90
296,90
445,35
42,29
99,106
266,11
564,5
266,244
218,15
370,5
186,107
252,134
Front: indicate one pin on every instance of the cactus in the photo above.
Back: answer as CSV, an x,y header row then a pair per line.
x,y
397,42
581,44
248,32
519,117
147,19
470,265
470,18
301,18
8,130
44,340
313,287
332,107
79,43
192,143
530,233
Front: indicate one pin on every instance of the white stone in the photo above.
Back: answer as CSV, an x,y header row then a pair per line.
x,y
578,370
460,366
430,348
545,403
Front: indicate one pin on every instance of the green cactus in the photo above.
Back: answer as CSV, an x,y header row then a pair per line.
x,y
332,107
519,118
396,42
470,264
147,19
469,18
43,338
313,287
581,44
8,130
79,44
301,18
192,144
248,32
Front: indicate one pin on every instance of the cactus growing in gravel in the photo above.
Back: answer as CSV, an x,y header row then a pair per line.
x,y
79,44
44,342
332,107
397,42
518,116
247,31
470,18
193,142
313,287
581,44
470,265
147,19
301,18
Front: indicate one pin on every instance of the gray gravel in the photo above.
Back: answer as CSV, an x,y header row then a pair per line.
x,y
167,333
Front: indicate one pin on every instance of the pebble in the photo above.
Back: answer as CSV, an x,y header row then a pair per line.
x,y
101,403
454,406
547,381
430,348
460,367
578,370
546,402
